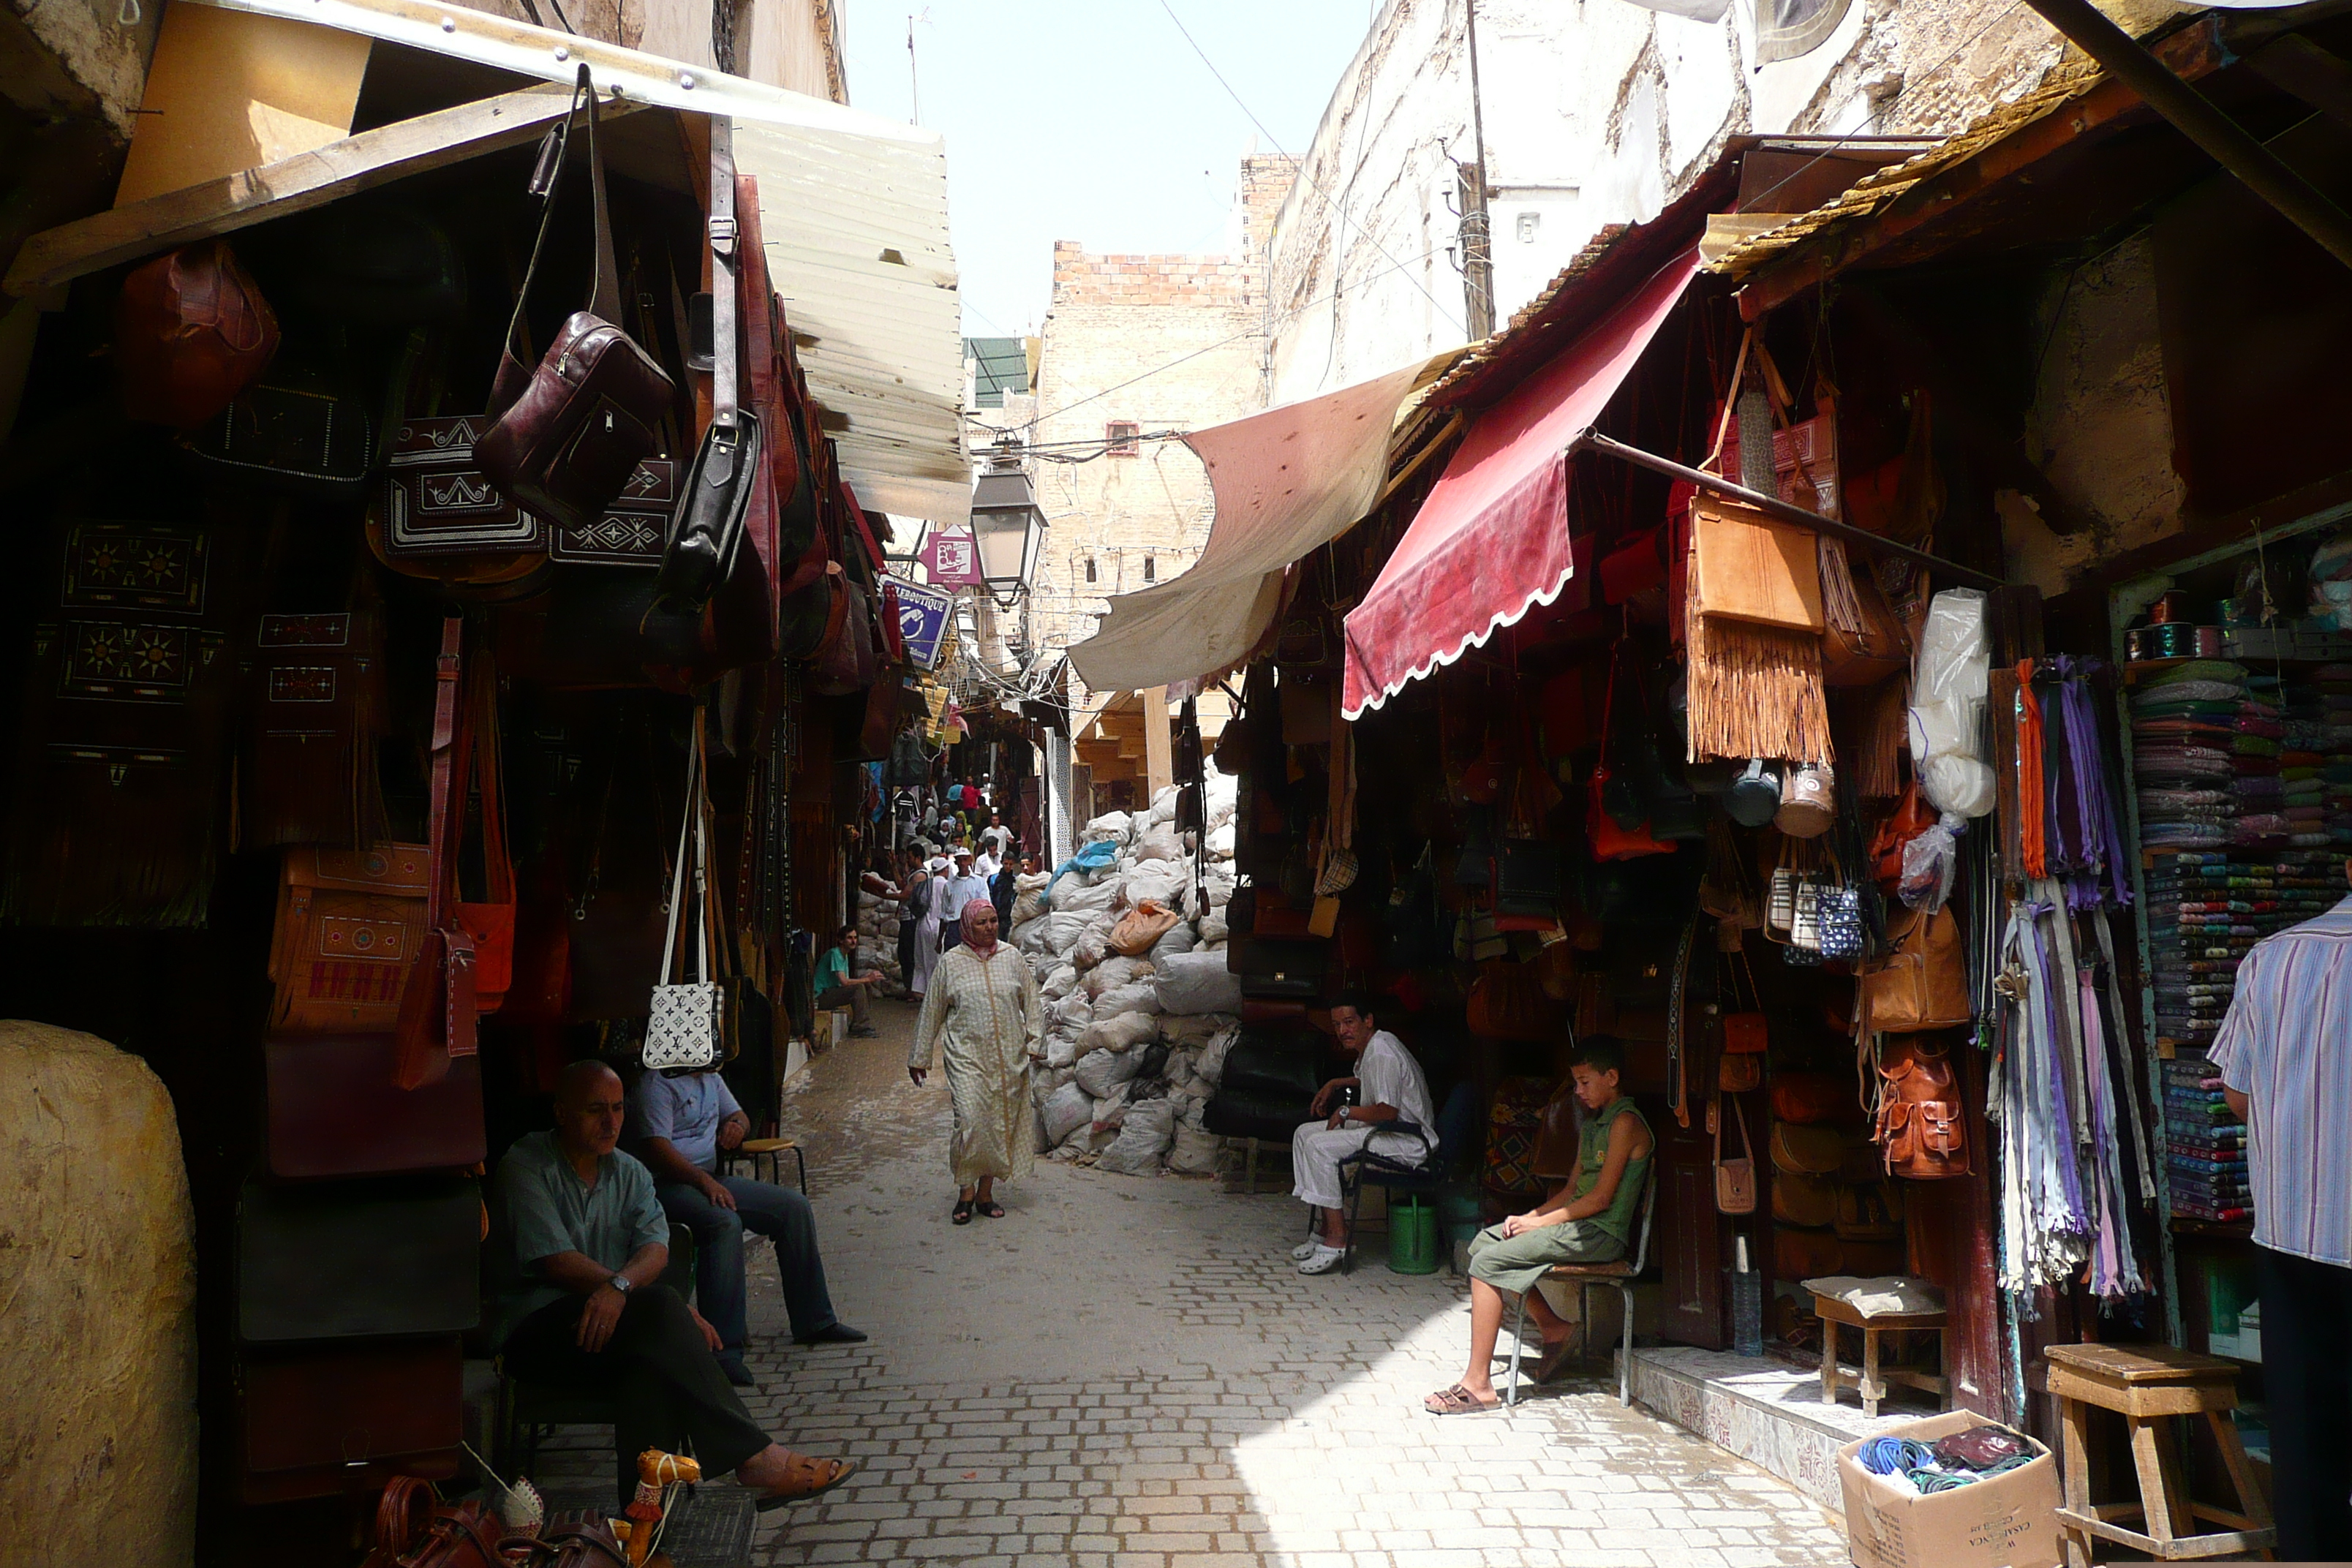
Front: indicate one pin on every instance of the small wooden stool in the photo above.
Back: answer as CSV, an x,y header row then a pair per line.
x,y
752,1151
2148,1385
1871,1381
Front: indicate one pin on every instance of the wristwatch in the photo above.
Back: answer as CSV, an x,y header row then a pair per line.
x,y
619,1282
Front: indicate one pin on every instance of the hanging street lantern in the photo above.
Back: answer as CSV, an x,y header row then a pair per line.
x,y
1006,525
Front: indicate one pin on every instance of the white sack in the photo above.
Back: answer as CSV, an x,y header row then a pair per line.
x,y
1177,939
1159,844
1104,1072
1120,1032
1136,997
1071,1013
1193,1152
1065,1110
1143,1140
1210,1064
1110,825
1113,972
1197,983
1213,930
1059,982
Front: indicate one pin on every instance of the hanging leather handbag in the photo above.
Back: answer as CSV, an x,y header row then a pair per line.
x,y
1922,982
707,531
348,922
566,437
1869,1211
845,663
1920,1131
1737,1072
338,1260
1811,1096
293,431
438,502
1799,1149
683,1023
438,1016
1508,1003
1805,1200
316,707
490,923
333,1111
1748,1032
632,530
191,332
328,1420
1912,817
1735,1180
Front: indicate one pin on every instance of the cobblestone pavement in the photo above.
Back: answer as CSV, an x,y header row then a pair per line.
x,y
1128,1372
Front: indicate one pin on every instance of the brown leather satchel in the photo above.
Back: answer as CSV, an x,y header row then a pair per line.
x,y
317,707
349,920
1809,1097
191,332
1808,1201
333,1111
1920,1127
1923,982
1798,1150
1735,1180
325,1420
1508,1003
567,435
414,1528
438,1015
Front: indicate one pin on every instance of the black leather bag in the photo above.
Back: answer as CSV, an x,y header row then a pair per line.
x,y
1527,880
1280,968
355,1259
707,531
1271,1074
340,1420
293,431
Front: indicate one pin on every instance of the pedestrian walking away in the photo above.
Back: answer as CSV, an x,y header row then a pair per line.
x,y
984,1015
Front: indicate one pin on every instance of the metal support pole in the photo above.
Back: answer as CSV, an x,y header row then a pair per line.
x,y
1594,441
2196,117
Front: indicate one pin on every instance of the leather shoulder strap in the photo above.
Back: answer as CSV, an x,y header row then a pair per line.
x,y
441,839
547,182
604,297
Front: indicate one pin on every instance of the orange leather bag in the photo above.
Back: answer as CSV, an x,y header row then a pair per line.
x,y
1921,1131
348,922
1923,982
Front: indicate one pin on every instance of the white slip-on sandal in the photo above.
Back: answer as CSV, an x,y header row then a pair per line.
x,y
1323,1259
1305,1250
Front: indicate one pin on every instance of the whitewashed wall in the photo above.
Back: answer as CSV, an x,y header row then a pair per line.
x,y
1596,111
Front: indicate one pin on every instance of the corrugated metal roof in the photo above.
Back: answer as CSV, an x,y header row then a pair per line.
x,y
854,211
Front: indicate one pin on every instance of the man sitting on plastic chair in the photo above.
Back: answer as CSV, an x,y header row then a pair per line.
x,y
1391,1089
1589,1220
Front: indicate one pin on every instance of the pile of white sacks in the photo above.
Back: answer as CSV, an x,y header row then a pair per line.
x,y
877,942
1135,1044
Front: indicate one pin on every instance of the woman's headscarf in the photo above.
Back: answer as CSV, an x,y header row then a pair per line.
x,y
969,921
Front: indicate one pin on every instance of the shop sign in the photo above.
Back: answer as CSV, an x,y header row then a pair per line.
x,y
953,559
923,620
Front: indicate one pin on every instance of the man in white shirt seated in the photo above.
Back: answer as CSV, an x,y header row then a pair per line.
x,y
678,1122
1391,1088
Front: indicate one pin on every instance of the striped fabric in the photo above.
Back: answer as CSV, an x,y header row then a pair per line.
x,y
2286,1045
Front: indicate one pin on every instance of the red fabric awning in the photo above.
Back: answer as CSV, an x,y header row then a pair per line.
x,y
1491,542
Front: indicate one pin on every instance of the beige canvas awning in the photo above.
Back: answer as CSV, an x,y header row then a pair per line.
x,y
1285,481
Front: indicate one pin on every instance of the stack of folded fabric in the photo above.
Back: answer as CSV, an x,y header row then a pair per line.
x,y
2207,1147
2262,821
2303,762
2193,946
2333,685
2185,759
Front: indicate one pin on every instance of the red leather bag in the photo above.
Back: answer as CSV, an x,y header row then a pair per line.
x,y
566,437
414,1529
1911,818
191,332
438,1014
1809,1097
1921,1130
490,923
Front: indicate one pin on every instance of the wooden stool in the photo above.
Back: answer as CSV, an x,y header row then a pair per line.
x,y
2147,1385
752,1151
1872,1380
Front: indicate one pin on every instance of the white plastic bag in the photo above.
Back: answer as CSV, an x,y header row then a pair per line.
x,y
1928,861
1137,995
1948,697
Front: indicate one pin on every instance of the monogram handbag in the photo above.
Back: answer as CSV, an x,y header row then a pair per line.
x,y
1735,1180
565,437
707,531
682,1025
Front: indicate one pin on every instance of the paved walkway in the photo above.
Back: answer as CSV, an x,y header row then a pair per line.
x,y
1127,1372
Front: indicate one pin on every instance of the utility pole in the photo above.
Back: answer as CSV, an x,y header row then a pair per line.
x,y
1477,239
914,89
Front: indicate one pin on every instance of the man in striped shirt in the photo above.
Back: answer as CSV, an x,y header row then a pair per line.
x,y
2284,1049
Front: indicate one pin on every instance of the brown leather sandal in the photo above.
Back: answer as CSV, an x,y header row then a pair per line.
x,y
1457,1401
819,1476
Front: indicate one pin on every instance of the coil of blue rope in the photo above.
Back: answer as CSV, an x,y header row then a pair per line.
x,y
1893,1456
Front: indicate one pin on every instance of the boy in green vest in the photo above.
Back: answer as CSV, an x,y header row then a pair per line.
x,y
1589,1220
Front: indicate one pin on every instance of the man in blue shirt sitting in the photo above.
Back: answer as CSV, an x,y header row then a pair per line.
x,y
582,1245
679,1122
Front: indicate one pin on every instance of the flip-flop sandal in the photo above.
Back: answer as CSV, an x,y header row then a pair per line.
x,y
839,1469
992,1209
1554,1361
1457,1401
961,1215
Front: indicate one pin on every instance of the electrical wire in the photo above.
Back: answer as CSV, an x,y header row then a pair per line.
x,y
1299,166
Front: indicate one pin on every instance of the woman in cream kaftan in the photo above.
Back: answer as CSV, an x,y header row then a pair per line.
x,y
982,1003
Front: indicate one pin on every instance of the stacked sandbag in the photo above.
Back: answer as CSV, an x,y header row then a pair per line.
x,y
1127,941
877,942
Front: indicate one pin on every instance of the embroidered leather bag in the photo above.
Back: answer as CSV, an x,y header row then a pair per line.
x,y
1735,1180
317,706
566,437
348,922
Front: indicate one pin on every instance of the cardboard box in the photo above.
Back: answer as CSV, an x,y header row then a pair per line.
x,y
2008,1522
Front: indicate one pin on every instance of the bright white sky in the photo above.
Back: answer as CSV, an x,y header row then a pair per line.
x,y
1094,121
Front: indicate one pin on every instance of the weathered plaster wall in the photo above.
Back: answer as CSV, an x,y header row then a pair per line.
x,y
1595,112
2101,423
97,1287
77,58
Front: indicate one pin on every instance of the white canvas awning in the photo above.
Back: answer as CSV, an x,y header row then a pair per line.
x,y
1285,481
852,209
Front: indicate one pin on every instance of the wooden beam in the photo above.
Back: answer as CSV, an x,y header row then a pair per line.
x,y
290,186
2192,53
2296,65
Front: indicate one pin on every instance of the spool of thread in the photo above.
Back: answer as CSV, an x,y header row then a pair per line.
x,y
2170,606
2168,640
2209,642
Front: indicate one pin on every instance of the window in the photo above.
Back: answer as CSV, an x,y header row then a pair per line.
x,y
1120,438
1090,569
1151,570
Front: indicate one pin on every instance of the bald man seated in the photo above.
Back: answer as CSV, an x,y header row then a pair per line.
x,y
584,1243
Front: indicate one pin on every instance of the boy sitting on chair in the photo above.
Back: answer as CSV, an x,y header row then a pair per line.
x,y
1589,1220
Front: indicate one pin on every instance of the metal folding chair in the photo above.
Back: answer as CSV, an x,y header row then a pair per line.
x,y
1621,1274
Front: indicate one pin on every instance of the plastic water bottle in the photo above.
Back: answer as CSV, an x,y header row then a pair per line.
x,y
1746,1306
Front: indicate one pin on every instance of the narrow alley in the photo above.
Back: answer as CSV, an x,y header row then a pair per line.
x,y
1126,1372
